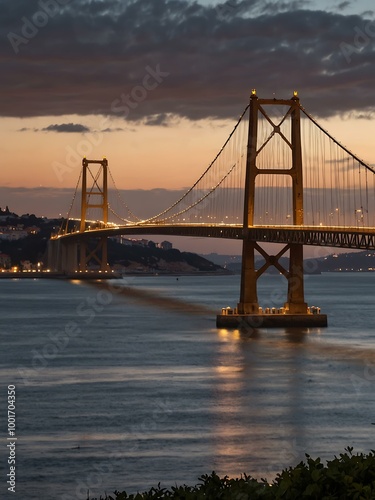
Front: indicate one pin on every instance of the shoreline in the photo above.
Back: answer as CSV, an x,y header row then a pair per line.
x,y
99,275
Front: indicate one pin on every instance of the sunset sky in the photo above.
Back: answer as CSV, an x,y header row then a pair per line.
x,y
156,86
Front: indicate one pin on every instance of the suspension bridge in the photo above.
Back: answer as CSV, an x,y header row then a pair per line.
x,y
279,178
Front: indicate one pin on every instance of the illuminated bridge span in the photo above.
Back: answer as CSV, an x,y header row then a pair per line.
x,y
279,178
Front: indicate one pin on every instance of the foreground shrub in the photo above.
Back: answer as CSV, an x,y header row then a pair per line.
x,y
349,476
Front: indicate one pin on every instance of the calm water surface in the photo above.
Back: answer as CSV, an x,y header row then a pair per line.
x,y
145,388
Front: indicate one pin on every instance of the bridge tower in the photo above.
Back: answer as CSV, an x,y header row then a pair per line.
x,y
95,196
248,303
295,311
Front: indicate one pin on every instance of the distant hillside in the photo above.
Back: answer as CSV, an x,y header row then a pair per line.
x,y
223,260
138,258
343,262
34,246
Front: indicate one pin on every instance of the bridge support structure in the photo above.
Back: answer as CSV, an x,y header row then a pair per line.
x,y
94,197
295,311
72,255
62,256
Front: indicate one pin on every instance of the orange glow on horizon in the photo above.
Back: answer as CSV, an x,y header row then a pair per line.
x,y
140,157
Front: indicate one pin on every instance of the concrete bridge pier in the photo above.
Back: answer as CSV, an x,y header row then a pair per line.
x,y
53,255
248,303
62,256
296,294
69,257
82,256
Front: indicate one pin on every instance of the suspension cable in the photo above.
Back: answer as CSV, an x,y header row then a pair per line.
x,y
336,141
204,173
121,200
202,198
70,208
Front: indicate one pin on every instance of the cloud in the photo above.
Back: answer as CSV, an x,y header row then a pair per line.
x,y
365,116
60,128
71,128
66,128
161,119
343,5
117,129
143,59
40,200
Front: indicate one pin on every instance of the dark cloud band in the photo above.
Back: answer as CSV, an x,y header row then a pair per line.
x,y
137,59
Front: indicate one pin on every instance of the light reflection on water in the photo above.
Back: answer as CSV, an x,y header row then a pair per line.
x,y
151,391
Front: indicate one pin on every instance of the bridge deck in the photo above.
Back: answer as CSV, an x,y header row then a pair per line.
x,y
343,237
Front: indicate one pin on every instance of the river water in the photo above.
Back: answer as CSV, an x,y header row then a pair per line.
x,y
123,390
